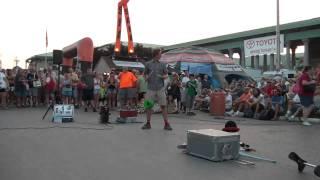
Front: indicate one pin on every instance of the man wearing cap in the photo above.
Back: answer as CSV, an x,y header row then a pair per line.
x,y
155,74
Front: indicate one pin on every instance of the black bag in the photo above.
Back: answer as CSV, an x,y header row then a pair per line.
x,y
309,88
266,114
248,112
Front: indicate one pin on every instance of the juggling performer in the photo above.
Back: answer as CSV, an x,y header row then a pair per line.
x,y
155,74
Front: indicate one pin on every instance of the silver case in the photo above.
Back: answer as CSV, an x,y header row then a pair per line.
x,y
214,145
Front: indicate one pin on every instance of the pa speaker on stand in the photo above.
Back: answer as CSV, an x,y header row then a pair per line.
x,y
57,57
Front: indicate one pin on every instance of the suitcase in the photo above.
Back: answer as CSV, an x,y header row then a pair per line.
x,y
214,145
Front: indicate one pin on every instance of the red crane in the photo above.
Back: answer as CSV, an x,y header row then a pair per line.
x,y
117,47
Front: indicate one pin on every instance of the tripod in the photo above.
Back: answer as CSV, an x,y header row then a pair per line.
x,y
57,99
51,106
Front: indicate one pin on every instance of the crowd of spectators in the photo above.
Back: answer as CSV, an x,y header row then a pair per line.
x,y
267,99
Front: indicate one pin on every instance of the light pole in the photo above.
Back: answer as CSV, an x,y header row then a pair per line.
x,y
16,61
278,57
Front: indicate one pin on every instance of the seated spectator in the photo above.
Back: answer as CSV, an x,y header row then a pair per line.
x,y
202,101
277,100
237,90
294,108
239,103
256,102
228,100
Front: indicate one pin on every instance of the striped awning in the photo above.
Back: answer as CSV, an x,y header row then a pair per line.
x,y
195,55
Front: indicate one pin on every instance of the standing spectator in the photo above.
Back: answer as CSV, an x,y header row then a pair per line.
x,y
318,74
185,77
80,87
205,83
199,84
96,92
20,88
67,88
126,93
33,80
50,86
103,89
10,78
307,88
191,94
316,98
174,95
134,89
88,84
142,86
42,92
183,90
4,84
74,82
155,73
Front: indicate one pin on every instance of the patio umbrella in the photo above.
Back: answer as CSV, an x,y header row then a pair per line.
x,y
195,55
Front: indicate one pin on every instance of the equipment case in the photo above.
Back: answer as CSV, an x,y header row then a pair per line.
x,y
214,145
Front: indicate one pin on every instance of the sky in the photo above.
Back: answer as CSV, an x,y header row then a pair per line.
x,y
23,23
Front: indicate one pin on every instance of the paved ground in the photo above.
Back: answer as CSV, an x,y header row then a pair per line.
x,y
126,152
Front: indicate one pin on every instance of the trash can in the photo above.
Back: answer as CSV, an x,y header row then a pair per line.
x,y
217,104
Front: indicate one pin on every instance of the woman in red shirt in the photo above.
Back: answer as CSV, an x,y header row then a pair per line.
x,y
306,94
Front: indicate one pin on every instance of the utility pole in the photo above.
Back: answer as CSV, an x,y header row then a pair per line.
x,y
278,57
0,61
16,60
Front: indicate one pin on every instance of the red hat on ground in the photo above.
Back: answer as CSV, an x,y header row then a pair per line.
x,y
230,126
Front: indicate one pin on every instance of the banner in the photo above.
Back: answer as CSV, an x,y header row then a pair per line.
x,y
263,45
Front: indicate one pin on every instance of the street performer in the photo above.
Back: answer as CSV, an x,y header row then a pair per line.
x,y
155,75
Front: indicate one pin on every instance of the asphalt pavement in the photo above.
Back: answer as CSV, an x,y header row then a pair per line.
x,y
35,149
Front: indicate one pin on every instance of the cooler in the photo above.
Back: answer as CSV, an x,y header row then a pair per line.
x,y
214,145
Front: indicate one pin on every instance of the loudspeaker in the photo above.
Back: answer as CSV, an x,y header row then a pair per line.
x,y
57,57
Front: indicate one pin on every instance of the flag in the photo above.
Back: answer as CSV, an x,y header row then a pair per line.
x,y
46,38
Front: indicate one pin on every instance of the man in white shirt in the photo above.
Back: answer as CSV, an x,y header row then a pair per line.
x,y
228,100
3,89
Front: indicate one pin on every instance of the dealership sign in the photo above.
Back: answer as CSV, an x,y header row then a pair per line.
x,y
229,67
264,45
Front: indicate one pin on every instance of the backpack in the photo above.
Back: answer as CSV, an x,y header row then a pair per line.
x,y
248,112
266,114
